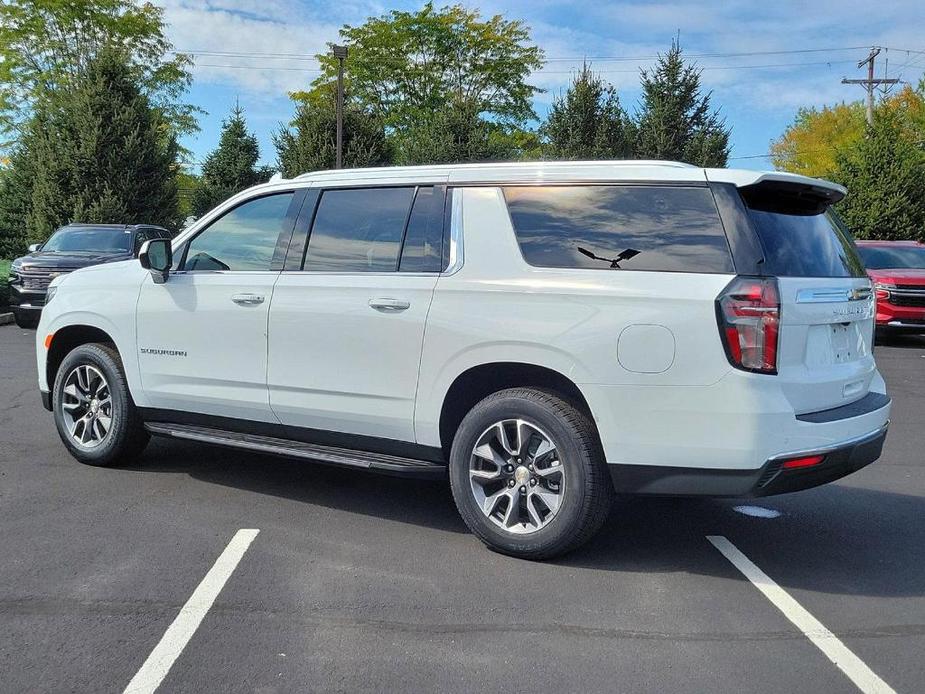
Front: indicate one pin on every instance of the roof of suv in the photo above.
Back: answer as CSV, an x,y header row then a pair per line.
x,y
564,171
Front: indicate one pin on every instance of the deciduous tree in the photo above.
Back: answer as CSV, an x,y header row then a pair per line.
x,y
404,67
47,45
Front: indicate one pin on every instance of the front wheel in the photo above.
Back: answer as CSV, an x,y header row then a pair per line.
x,y
528,474
94,412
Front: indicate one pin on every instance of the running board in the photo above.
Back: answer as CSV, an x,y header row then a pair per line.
x,y
330,455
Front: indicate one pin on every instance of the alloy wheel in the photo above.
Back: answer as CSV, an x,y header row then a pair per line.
x,y
86,406
516,476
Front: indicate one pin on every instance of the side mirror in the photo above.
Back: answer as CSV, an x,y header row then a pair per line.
x,y
156,256
33,247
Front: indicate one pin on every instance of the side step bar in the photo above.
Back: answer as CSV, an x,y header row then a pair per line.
x,y
379,462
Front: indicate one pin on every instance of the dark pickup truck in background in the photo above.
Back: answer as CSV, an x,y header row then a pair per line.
x,y
70,248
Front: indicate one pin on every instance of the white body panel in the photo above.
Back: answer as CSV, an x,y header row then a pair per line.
x,y
344,355
643,348
200,351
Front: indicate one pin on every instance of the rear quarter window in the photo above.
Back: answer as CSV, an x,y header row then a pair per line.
x,y
670,228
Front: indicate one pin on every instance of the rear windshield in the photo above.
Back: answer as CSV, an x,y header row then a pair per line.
x,y
619,227
806,245
893,257
89,239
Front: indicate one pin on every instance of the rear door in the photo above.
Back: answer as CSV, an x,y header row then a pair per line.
x,y
346,326
827,308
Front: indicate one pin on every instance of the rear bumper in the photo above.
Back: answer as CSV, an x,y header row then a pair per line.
x,y
771,478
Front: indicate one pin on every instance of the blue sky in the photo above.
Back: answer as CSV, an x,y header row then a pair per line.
x,y
758,93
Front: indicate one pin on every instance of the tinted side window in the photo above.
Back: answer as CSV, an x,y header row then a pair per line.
x,y
358,230
423,247
242,239
668,228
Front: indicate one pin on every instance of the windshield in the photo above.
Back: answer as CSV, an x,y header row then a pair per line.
x,y
893,257
96,239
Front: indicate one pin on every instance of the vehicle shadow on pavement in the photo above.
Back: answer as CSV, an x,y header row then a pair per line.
x,y
908,340
427,503
838,538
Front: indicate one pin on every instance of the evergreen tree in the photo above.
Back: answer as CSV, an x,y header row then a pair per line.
x,y
885,177
16,201
455,134
232,167
310,141
588,122
99,153
675,120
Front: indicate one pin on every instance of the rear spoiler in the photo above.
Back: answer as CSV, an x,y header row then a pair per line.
x,y
780,191
790,197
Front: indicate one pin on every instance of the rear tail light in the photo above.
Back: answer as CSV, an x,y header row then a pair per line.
x,y
748,313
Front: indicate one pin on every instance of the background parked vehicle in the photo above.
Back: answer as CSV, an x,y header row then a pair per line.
x,y
897,269
69,248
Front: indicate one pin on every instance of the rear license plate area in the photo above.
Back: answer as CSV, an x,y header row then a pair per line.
x,y
841,343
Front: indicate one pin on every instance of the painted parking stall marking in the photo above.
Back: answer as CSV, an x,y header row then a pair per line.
x,y
181,630
844,659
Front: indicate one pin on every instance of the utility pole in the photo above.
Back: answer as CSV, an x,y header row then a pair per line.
x,y
340,52
870,82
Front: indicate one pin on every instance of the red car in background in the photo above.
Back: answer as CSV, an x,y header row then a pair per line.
x,y
897,269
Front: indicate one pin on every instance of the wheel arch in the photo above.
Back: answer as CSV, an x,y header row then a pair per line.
x,y
479,381
66,339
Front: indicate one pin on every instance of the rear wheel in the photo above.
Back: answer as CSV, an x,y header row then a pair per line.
x,y
528,474
94,412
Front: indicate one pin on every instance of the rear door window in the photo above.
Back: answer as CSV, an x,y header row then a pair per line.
x,y
628,227
358,230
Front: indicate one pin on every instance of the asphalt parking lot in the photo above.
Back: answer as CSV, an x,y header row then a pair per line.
x,y
357,582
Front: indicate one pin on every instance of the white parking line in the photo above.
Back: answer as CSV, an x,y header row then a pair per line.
x,y
181,630
857,671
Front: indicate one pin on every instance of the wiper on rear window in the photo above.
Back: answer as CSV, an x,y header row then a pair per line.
x,y
614,262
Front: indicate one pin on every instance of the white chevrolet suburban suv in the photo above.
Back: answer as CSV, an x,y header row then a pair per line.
x,y
546,335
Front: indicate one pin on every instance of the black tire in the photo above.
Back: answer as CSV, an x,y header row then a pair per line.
x,y
126,437
26,322
588,490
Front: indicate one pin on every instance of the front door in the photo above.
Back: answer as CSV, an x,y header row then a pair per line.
x,y
202,335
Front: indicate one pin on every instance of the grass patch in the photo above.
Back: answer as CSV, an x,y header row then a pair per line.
x,y
4,286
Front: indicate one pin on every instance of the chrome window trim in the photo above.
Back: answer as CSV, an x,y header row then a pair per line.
x,y
456,234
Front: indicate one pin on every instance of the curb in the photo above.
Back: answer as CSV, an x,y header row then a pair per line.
x,y
6,318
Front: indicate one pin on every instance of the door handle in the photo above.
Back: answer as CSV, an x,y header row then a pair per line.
x,y
389,305
247,299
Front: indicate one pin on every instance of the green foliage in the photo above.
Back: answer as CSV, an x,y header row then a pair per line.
x,y
187,185
810,145
588,122
675,120
884,173
453,134
310,141
16,200
4,286
47,45
99,152
406,66
232,167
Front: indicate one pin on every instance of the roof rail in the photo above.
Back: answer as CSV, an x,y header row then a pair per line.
x,y
497,165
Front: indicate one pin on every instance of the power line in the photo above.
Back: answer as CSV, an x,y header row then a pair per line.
x,y
602,58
